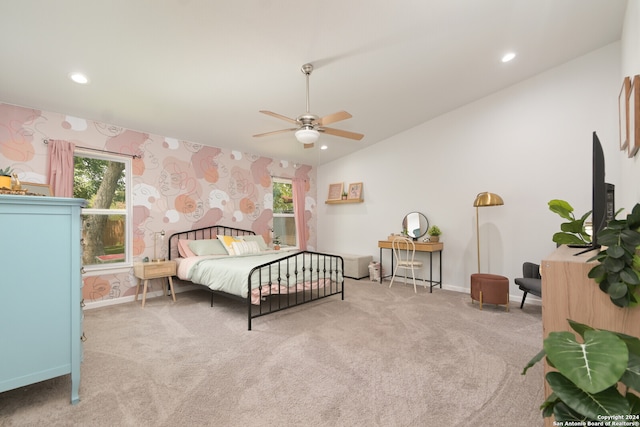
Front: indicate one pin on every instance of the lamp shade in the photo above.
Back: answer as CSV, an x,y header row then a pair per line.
x,y
487,199
307,135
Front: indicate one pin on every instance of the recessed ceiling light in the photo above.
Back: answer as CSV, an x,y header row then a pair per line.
x,y
323,147
79,78
508,57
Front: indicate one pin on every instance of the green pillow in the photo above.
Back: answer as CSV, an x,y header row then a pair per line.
x,y
255,238
207,247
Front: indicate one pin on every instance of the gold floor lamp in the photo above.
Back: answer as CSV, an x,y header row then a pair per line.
x,y
483,200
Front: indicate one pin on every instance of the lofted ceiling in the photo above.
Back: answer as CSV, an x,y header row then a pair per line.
x,y
200,70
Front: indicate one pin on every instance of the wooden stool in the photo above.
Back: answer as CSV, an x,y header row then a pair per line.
x,y
490,289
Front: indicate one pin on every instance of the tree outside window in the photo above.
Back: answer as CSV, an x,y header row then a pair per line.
x,y
102,182
284,221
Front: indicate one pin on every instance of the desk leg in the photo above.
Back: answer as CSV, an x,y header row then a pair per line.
x,y
381,265
430,272
440,256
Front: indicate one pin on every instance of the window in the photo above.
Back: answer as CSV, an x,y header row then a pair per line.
x,y
102,182
284,221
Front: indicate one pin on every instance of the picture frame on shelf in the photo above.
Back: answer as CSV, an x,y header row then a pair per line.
x,y
623,112
355,191
335,191
634,116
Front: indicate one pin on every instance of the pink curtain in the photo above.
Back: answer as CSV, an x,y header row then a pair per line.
x,y
298,207
60,167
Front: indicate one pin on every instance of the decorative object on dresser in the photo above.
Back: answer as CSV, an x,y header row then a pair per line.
x,y
5,178
41,309
158,269
238,263
484,200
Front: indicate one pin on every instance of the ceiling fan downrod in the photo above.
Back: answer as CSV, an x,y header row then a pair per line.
x,y
307,69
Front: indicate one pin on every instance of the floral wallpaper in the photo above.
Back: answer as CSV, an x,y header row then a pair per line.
x,y
177,185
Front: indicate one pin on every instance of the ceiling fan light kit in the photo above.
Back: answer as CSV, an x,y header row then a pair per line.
x,y
307,135
310,125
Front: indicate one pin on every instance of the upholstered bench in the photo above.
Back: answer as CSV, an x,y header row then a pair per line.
x,y
356,266
490,289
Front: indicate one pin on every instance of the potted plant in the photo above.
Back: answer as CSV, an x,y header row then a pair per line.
x,y
276,243
597,377
344,195
5,178
434,233
618,270
572,232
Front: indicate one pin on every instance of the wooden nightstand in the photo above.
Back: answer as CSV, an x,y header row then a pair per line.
x,y
154,270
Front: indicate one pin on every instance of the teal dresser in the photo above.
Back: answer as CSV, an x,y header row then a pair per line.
x,y
40,290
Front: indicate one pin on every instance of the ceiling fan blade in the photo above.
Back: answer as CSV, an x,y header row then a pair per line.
x,y
308,145
335,117
275,132
279,116
342,133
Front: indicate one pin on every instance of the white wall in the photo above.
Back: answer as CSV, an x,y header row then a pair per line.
x,y
630,168
529,143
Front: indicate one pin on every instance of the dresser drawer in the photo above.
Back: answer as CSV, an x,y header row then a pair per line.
x,y
152,270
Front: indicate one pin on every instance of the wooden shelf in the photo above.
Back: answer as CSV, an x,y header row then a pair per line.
x,y
337,202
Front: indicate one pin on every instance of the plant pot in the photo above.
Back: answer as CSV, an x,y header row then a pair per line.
x,y
276,247
5,181
434,239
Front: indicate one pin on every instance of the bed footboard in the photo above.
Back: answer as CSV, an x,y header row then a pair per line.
x,y
297,279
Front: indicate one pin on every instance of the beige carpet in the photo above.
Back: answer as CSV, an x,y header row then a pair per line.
x,y
382,357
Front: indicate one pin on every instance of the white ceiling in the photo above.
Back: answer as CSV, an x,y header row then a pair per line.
x,y
199,70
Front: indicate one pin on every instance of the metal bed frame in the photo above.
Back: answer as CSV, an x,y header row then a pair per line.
x,y
326,267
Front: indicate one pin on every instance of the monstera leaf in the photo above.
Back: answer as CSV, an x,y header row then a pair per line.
x,y
588,405
594,365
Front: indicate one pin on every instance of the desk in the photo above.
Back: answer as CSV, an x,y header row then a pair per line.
x,y
420,247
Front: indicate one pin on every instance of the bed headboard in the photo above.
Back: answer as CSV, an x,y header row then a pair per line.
x,y
203,233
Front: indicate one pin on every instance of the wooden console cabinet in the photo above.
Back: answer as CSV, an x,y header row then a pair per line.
x,y
40,296
568,293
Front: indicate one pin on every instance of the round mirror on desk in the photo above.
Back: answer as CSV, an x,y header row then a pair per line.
x,y
415,224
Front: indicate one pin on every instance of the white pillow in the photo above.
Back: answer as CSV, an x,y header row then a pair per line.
x,y
227,241
245,248
207,247
255,238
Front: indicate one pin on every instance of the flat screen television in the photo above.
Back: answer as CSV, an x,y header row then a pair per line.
x,y
603,195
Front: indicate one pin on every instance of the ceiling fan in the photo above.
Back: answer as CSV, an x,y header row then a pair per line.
x,y
309,126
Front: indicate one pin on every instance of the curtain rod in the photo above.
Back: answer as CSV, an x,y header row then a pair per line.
x,y
134,156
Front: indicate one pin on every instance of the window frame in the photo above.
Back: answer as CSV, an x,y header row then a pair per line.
x,y
288,181
127,212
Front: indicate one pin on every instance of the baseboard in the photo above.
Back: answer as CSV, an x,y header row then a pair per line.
x,y
131,298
